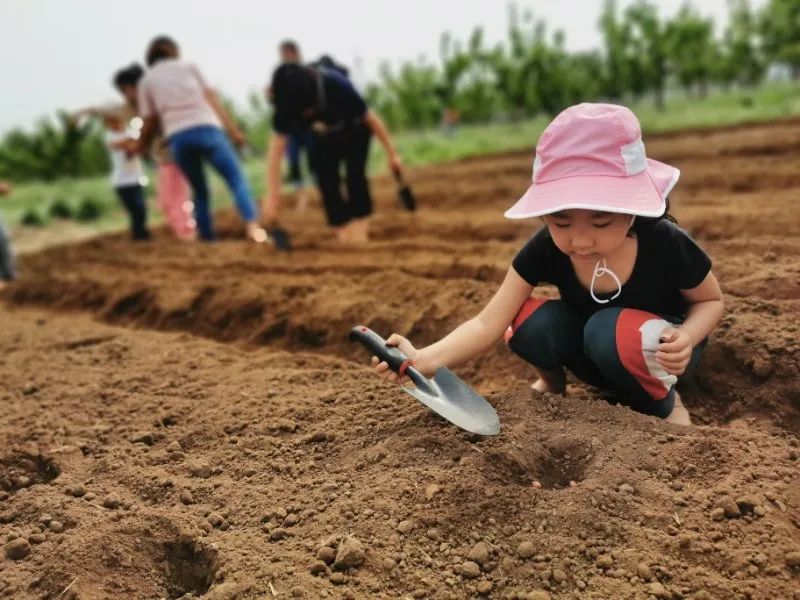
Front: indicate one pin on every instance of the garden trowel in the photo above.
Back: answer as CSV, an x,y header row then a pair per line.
x,y
445,394
404,193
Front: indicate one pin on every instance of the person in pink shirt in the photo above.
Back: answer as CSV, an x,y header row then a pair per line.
x,y
174,94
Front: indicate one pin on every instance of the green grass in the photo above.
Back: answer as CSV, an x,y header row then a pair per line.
x,y
432,146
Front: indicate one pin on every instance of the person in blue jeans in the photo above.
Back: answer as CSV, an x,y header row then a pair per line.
x,y
174,94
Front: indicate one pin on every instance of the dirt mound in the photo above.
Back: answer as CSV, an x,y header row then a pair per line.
x,y
184,421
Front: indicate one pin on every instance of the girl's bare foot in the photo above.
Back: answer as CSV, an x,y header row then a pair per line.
x,y
550,382
679,414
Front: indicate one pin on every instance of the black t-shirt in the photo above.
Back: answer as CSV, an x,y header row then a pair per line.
x,y
341,106
667,261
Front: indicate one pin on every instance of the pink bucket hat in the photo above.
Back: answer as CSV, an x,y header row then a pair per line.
x,y
592,157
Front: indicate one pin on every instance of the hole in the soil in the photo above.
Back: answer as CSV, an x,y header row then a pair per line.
x,y
190,570
562,466
554,466
24,470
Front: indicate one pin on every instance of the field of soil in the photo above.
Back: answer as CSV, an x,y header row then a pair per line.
x,y
186,421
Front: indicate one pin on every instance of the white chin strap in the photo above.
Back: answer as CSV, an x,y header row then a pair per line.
x,y
602,269
599,271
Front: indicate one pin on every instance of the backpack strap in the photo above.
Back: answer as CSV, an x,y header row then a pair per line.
x,y
321,99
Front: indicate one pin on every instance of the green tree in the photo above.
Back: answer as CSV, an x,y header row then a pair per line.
x,y
693,53
780,30
618,69
408,98
53,149
649,44
741,60
468,81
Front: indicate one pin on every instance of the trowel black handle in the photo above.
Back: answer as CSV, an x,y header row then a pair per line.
x,y
394,357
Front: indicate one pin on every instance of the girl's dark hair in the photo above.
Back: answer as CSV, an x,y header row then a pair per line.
x,y
130,75
160,48
643,223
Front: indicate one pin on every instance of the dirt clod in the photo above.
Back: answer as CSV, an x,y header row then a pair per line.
x,y
730,510
479,553
604,561
326,554
526,550
644,572
469,569
17,549
112,501
484,587
350,554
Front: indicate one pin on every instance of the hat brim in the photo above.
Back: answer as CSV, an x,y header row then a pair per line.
x,y
643,194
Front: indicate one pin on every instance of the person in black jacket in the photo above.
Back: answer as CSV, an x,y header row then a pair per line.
x,y
324,102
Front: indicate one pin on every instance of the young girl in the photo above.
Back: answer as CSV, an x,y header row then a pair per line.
x,y
127,172
174,95
638,298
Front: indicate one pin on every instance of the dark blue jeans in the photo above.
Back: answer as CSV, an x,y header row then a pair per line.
x,y
191,148
613,350
132,198
295,144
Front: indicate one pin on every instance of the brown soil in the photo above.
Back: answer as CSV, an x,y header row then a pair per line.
x,y
183,421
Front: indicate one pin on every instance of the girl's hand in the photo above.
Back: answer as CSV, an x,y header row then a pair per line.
x,y
674,351
406,347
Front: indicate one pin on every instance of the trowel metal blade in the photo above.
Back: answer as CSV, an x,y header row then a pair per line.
x,y
454,400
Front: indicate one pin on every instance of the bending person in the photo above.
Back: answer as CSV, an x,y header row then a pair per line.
x,y
326,104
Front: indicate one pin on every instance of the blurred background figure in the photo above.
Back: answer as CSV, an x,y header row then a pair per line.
x,y
172,189
450,120
127,172
8,270
324,103
327,62
299,142
289,53
174,94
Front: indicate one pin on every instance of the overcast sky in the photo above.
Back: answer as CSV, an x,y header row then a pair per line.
x,y
62,53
